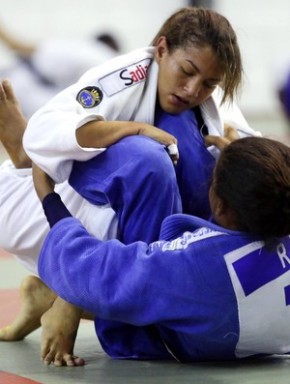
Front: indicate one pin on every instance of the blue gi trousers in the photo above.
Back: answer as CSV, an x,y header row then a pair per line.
x,y
137,178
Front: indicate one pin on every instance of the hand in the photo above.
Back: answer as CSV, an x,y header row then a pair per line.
x,y
230,134
163,138
43,183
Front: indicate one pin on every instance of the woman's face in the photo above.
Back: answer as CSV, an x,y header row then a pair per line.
x,y
187,77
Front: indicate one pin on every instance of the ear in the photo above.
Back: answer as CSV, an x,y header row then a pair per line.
x,y
219,209
224,216
161,48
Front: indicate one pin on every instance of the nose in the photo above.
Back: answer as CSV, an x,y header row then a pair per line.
x,y
193,87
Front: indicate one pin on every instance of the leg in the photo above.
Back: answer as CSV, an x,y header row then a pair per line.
x,y
60,324
12,126
140,185
36,297
137,178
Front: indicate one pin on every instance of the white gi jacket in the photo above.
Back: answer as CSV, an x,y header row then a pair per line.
x,y
126,88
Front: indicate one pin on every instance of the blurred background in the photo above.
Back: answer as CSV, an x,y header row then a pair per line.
x,y
262,27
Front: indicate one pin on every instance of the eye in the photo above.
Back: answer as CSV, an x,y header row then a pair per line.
x,y
210,85
187,71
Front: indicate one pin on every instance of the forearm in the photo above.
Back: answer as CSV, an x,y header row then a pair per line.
x,y
52,204
102,134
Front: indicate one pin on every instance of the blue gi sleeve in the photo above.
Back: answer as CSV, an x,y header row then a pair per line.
x,y
136,283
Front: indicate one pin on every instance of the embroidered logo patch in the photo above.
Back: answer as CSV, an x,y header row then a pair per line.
x,y
90,97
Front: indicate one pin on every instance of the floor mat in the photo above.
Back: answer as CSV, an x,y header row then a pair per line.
x,y
9,378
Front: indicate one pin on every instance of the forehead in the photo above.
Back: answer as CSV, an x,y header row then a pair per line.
x,y
204,58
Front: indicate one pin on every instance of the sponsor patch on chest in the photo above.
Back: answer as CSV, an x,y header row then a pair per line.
x,y
125,77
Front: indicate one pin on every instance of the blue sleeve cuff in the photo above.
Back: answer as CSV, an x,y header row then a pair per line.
x,y
54,208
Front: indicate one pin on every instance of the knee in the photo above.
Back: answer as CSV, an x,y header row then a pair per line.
x,y
152,158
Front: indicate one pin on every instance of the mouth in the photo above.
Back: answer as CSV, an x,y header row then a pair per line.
x,y
178,101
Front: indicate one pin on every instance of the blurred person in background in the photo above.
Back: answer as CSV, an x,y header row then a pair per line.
x,y
41,70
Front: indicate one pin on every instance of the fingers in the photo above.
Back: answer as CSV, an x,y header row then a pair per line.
x,y
230,135
218,141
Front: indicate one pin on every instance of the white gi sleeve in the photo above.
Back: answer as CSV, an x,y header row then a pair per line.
x,y
50,139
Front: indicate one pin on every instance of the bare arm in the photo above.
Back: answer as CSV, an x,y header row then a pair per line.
x,y
102,134
43,183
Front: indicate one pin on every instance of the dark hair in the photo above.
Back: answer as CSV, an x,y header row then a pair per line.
x,y
252,177
204,27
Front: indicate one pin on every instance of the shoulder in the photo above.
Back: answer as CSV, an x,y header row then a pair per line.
x,y
121,72
120,63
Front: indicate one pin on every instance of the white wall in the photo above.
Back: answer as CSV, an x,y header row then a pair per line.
x,y
263,29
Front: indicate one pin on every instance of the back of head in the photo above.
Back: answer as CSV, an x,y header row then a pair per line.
x,y
252,177
201,27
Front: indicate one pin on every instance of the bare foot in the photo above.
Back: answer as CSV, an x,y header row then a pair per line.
x,y
60,324
36,299
12,126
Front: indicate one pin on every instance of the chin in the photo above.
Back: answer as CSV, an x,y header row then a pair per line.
x,y
173,110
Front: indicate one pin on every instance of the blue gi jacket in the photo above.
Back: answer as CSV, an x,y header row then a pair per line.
x,y
209,294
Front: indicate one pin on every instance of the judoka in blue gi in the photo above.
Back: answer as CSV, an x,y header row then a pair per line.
x,y
205,288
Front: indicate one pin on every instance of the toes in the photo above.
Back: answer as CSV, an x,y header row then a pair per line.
x,y
8,90
10,333
60,359
73,361
2,92
49,357
68,360
47,360
4,332
79,362
43,353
